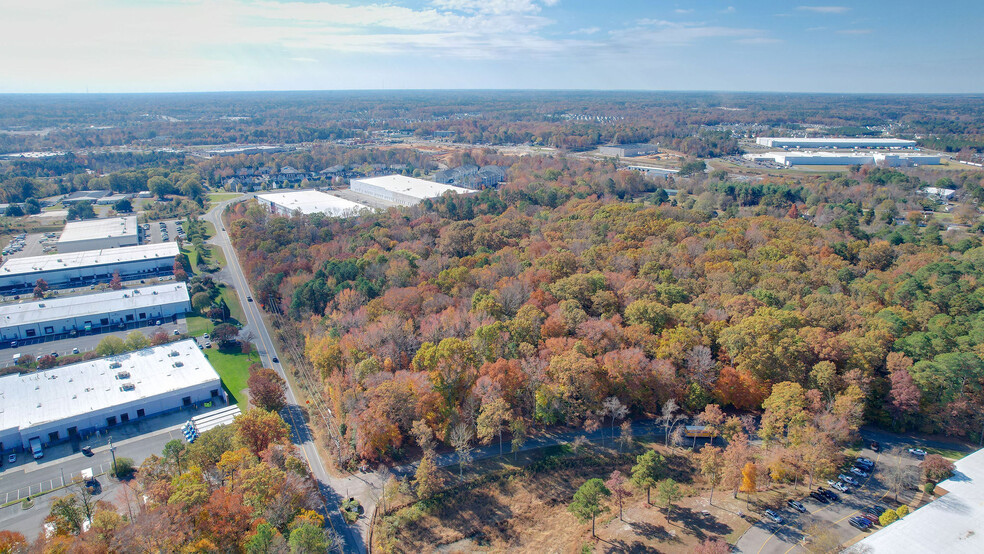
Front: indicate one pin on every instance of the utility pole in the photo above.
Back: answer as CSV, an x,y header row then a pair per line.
x,y
112,450
63,475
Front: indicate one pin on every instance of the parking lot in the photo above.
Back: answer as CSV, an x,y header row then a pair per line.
x,y
767,536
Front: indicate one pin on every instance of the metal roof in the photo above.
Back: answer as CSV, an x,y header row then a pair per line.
x,y
99,229
58,308
30,399
409,186
313,201
86,258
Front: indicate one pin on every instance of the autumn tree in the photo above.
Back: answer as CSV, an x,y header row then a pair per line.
x,y
491,417
647,471
748,477
587,502
936,468
903,397
266,389
257,429
116,283
785,409
711,460
616,483
40,287
520,432
427,479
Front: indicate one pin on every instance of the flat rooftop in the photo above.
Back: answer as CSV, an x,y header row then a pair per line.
x,y
953,523
313,201
87,258
99,229
30,399
416,188
836,141
53,309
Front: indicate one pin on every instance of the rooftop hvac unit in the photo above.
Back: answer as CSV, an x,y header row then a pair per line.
x,y
178,364
123,375
128,386
174,354
115,365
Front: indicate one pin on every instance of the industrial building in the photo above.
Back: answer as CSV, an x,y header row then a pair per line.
x,y
628,150
654,171
79,399
84,196
95,234
403,190
309,202
847,158
84,268
953,523
859,142
71,315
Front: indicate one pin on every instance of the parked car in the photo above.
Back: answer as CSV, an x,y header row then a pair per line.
x,y
864,462
774,516
872,519
249,298
859,472
875,446
819,497
796,505
12,459
276,360
54,354
917,452
848,479
875,510
87,451
205,336
75,350
860,523
831,495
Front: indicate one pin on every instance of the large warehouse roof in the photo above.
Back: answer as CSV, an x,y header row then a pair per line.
x,y
953,523
99,229
27,400
53,309
415,188
313,201
857,142
108,256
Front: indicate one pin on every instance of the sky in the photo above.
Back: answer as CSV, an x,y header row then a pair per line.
x,y
864,46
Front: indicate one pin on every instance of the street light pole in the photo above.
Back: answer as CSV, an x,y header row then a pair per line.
x,y
112,450
63,475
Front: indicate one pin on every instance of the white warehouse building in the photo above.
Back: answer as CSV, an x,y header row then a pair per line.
x,y
94,266
858,142
78,399
846,158
403,190
309,202
70,315
94,234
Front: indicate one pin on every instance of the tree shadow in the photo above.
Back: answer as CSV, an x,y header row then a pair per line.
x,y
652,531
699,523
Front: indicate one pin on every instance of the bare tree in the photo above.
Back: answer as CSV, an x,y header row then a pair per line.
x,y
900,476
461,437
700,364
613,408
670,419
625,438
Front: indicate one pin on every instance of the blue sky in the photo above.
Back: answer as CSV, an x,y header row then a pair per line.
x,y
202,45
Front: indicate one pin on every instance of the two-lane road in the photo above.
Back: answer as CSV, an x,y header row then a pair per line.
x,y
354,542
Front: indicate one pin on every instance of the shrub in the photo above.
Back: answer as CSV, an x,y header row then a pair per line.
x,y
928,488
124,468
902,511
888,518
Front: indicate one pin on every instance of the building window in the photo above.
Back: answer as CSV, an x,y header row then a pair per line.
x,y
215,392
186,401
72,431
124,418
104,321
141,412
129,317
49,330
110,421
53,436
143,315
30,332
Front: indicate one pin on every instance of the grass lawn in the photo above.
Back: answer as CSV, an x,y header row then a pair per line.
x,y
209,230
232,301
216,256
945,452
192,258
233,367
198,325
223,196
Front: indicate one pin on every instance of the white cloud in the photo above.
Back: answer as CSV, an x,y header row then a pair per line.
x,y
683,11
824,9
729,9
586,31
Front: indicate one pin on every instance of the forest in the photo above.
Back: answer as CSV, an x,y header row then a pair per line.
x,y
576,283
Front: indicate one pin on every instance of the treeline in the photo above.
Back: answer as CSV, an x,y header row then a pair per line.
x,y
554,295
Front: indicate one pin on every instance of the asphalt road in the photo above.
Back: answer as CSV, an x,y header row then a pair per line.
x,y
353,542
